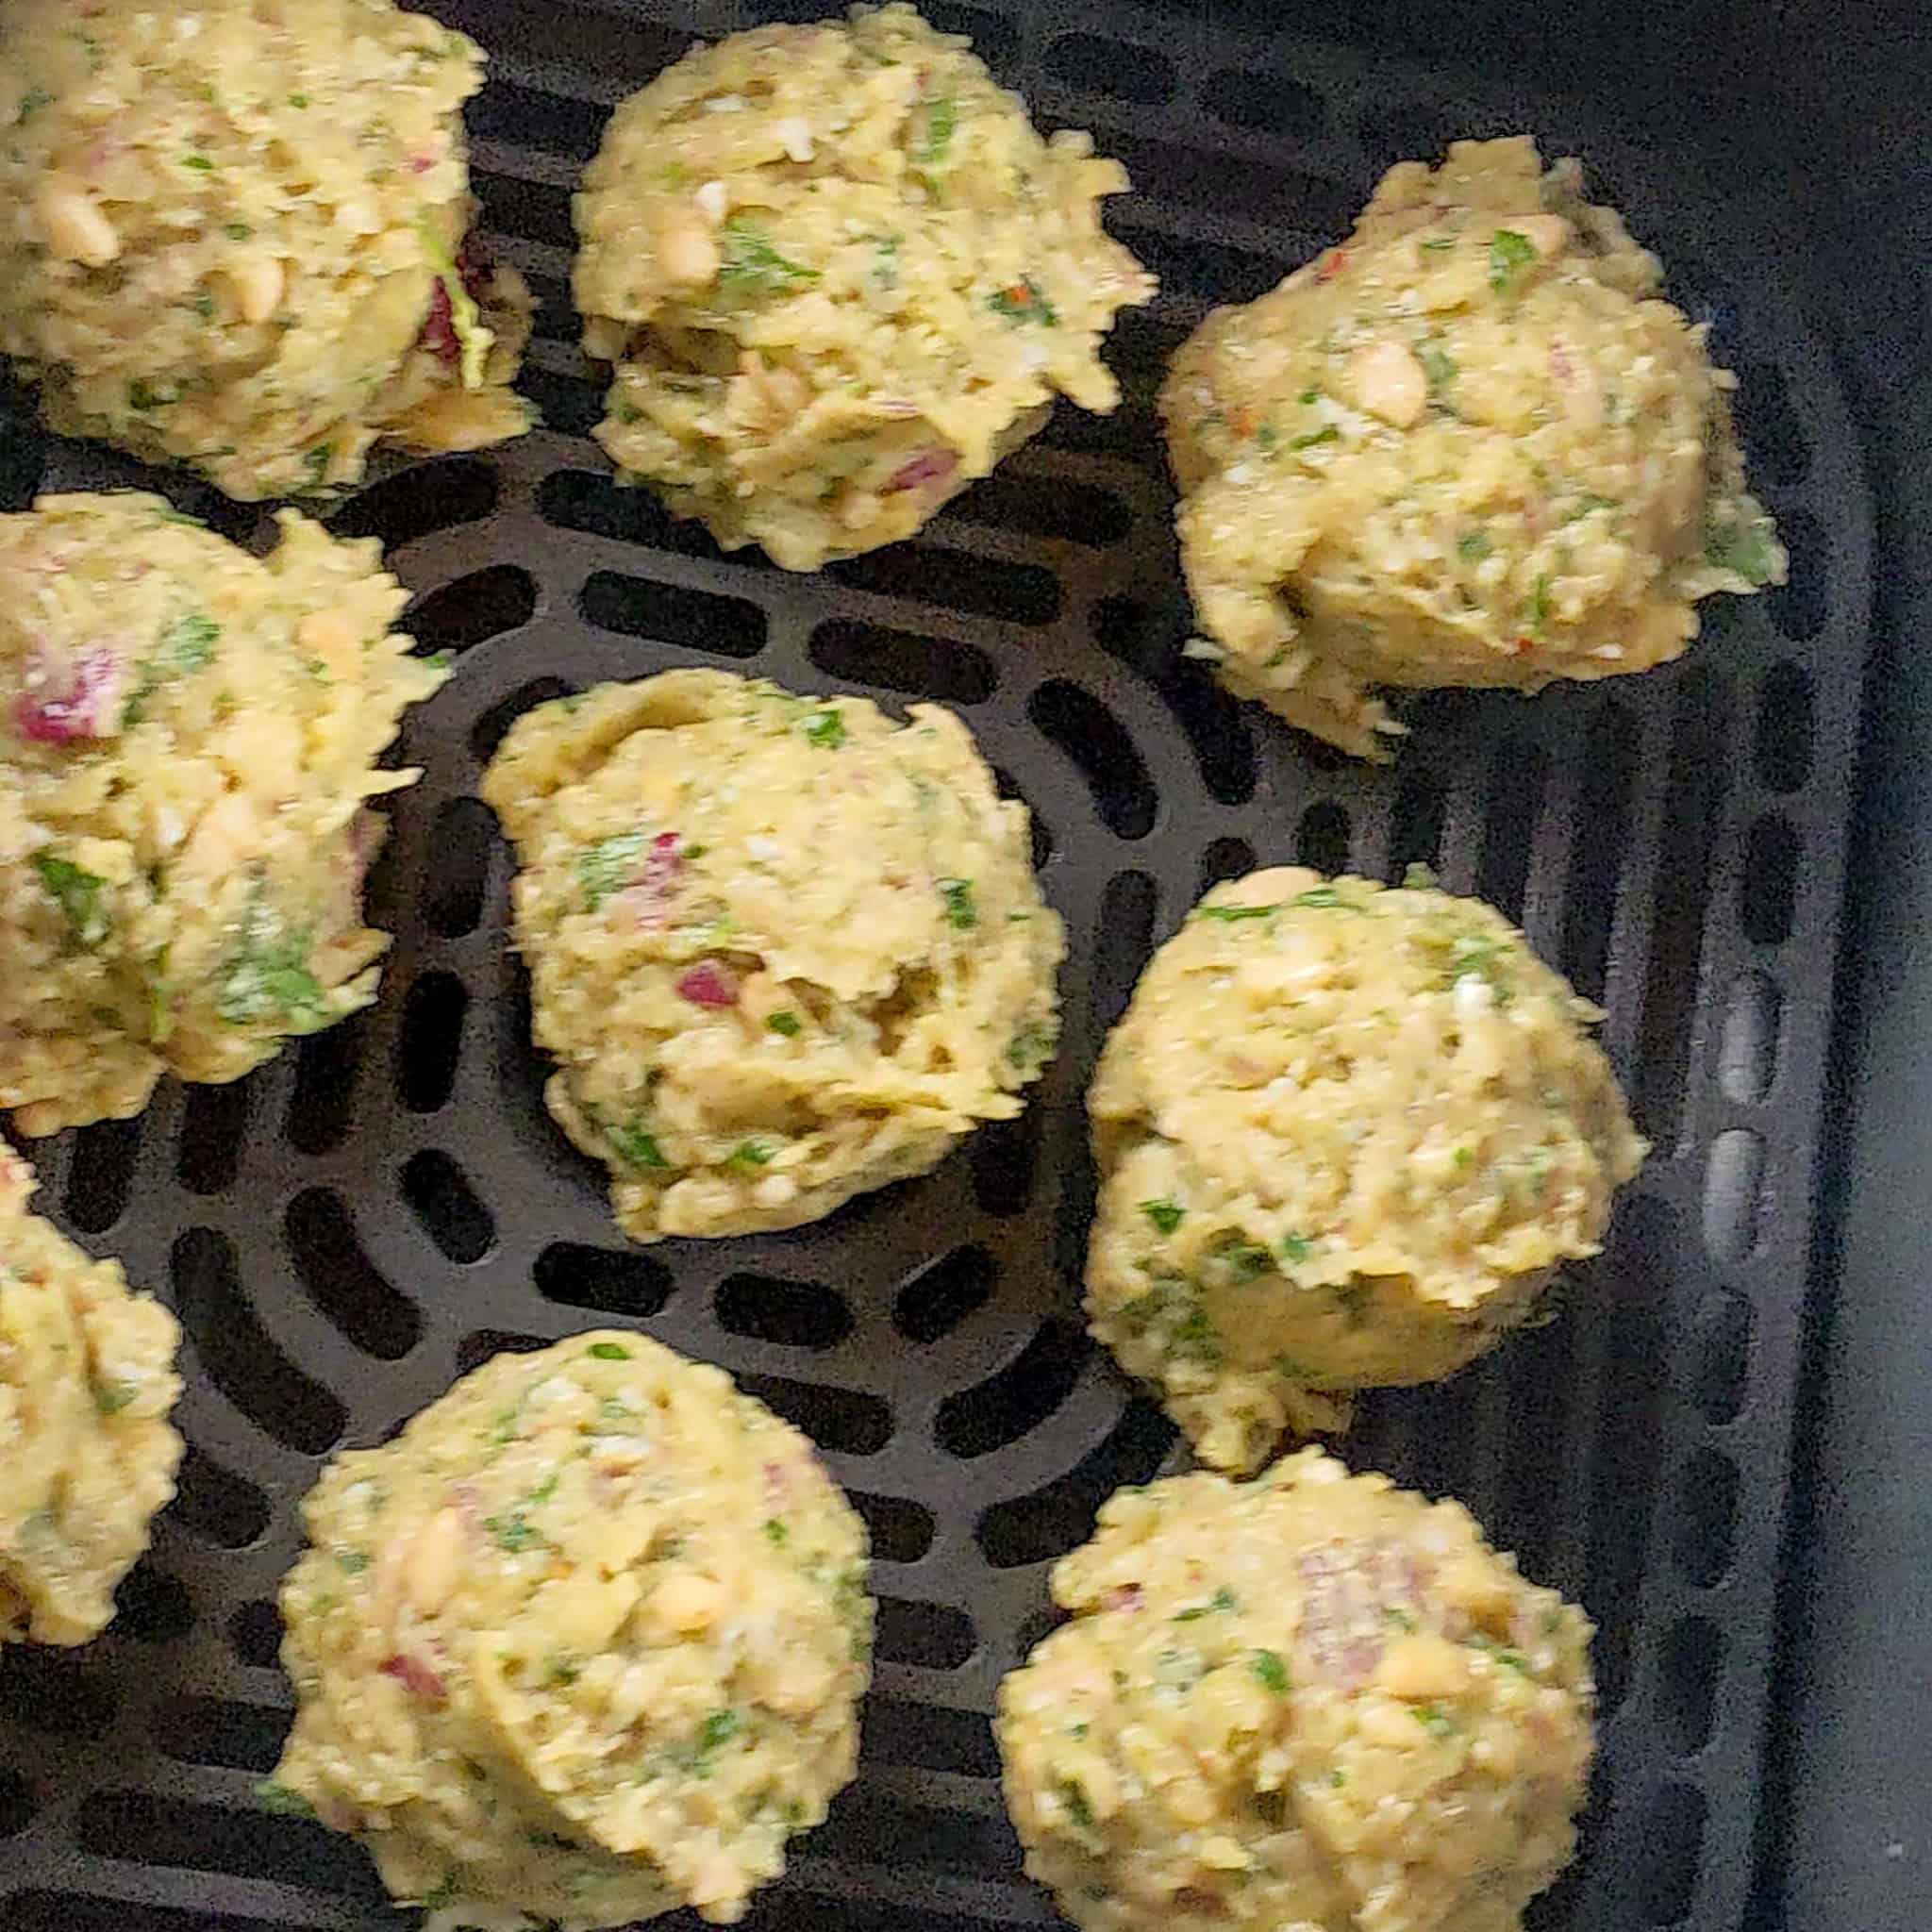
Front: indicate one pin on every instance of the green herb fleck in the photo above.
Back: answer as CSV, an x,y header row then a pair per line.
x,y
237,231
961,913
1230,915
514,1533
935,138
609,866
110,1398
1165,1215
636,1149
1403,1620
1438,366
31,103
1323,899
826,729
1435,1720
1509,255
200,163
77,893
1744,547
1023,301
1540,605
1269,1670
1223,1599
1074,1797
1473,545
271,1796
751,1154
1297,1247
775,1533
610,1351
1439,244
715,1732
267,978
1337,1778
752,267
298,100
1329,432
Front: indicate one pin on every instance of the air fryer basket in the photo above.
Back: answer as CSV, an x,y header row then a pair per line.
x,y
348,1229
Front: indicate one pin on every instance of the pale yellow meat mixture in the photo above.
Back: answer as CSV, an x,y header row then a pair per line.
x,y
1310,1702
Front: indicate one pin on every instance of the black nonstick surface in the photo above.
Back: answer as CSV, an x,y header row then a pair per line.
x,y
349,1228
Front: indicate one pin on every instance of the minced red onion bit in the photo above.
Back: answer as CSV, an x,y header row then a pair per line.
x,y
78,698
709,984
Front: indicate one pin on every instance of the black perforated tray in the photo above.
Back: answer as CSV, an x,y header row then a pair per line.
x,y
346,1230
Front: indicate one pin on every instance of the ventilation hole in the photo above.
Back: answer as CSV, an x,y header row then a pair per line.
x,y
1517,777
211,1731
1692,1664
421,501
568,405
471,609
237,1844
532,210
940,668
1783,748
1723,1355
670,615
1539,1429
327,1069
1620,1301
1265,102
67,1912
900,1531
45,1690
216,1505
1115,68
489,730
1019,1398
462,842
255,1634
942,1295
1707,1518
1415,825
841,1421
1768,887
235,1350
1210,271
1056,509
1274,198
1002,1158
1733,1192
1699,753
928,1736
600,507
344,1284
1224,746
151,1607
22,452
1322,838
935,1637
1123,942
609,1280
1226,858
1056,1519
1080,725
1798,606
447,1205
979,585
430,1043
1775,446
1603,811
102,1175
486,1344
994,39
557,319
1671,1833
796,1314
17,1797
554,124
214,1128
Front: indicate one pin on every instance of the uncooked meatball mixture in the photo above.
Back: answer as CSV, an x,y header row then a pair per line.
x,y
188,745
87,1380
1310,1702
839,276
783,949
1472,445
1345,1135
585,1642
235,236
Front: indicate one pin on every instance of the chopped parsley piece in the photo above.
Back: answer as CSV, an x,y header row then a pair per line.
x,y
1539,604
752,267
77,893
352,1562
1473,545
1074,1797
787,1023
636,1149
751,1154
1023,301
31,103
1320,899
200,163
1510,254
1435,1720
1437,244
1230,914
1403,1620
237,231
609,866
1223,1599
1297,1247
826,729
775,1533
143,396
610,1351
1438,366
514,1533
961,913
1327,433
936,139
715,1732
1418,877
271,1796
298,101
110,1398
1243,1260
1745,548
188,644
1165,1215
266,978
1269,1670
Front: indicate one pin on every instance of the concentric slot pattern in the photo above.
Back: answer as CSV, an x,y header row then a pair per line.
x,y
390,1203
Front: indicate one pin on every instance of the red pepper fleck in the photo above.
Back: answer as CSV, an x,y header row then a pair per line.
x,y
1242,423
1332,264
421,164
415,1677
778,1482
1524,645
709,984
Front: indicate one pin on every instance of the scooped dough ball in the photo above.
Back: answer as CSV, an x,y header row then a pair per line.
x,y
585,1641
783,950
1473,445
87,1378
839,276
1345,1134
1313,1702
232,236
188,736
